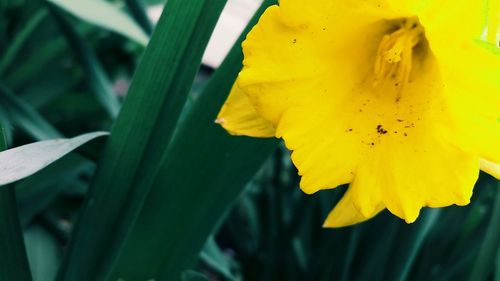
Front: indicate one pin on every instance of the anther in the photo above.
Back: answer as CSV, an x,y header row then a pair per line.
x,y
395,53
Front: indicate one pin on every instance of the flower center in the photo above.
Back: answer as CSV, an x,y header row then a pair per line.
x,y
395,53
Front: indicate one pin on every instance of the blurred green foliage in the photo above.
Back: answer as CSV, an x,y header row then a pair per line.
x,y
274,233
63,76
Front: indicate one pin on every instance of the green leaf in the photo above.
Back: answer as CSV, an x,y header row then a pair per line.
x,y
140,137
485,261
352,248
20,39
216,259
35,193
380,240
409,243
28,69
497,265
13,259
204,171
39,96
105,15
95,74
23,161
43,253
191,275
6,126
138,11
26,117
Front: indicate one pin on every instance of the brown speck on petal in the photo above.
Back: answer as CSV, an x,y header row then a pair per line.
x,y
381,130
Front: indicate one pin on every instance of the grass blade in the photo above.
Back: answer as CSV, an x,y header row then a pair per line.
x,y
26,117
138,11
13,260
43,253
193,276
95,74
409,244
497,266
140,137
28,69
182,210
20,39
213,256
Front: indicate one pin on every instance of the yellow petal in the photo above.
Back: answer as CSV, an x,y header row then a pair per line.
x,y
287,52
346,212
324,152
239,117
470,73
472,88
493,29
491,168
424,170
449,23
432,173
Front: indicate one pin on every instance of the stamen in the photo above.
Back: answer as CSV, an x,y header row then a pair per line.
x,y
395,53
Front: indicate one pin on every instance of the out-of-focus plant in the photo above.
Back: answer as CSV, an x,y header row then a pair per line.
x,y
168,195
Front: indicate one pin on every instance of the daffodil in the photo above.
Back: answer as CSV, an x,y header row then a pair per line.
x,y
400,99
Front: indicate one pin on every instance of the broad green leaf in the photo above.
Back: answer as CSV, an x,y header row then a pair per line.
x,y
23,161
140,137
105,15
13,259
204,171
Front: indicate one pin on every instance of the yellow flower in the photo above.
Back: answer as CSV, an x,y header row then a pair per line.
x,y
398,98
